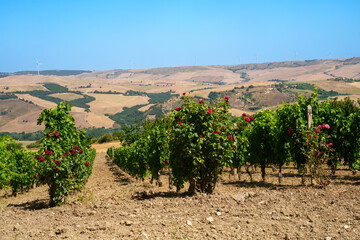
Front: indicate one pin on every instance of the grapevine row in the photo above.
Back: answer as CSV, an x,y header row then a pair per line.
x,y
197,140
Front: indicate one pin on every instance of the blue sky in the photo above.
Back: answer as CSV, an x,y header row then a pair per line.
x,y
104,35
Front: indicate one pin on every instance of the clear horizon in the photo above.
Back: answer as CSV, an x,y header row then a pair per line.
x,y
106,35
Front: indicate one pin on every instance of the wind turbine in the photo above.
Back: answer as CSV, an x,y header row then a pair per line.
x,y
38,66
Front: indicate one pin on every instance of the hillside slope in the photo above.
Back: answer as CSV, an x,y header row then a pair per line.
x,y
99,97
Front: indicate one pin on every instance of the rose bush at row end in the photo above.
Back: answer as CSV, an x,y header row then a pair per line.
x,y
201,143
65,159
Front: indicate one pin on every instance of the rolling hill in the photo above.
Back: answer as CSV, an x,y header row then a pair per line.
x,y
109,98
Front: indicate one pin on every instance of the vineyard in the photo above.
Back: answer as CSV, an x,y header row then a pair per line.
x,y
174,177
198,141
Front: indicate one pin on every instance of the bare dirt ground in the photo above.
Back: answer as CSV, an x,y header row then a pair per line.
x,y
116,206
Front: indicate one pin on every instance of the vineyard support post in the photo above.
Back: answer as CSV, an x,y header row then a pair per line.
x,y
112,151
310,119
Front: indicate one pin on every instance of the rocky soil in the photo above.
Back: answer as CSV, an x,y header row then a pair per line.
x,y
116,206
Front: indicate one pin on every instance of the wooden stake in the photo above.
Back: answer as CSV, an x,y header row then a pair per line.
x,y
310,119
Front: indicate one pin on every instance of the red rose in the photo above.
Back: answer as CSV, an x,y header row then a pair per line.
x,y
66,154
330,144
58,170
56,134
251,118
178,109
230,138
57,162
247,119
317,131
244,114
233,147
180,123
48,152
223,127
319,126
209,111
201,101
183,93
201,136
75,147
80,151
177,118
41,158
87,164
48,134
226,98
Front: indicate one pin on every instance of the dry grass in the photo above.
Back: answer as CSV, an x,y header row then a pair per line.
x,y
145,108
239,112
66,96
99,120
349,71
17,125
24,88
38,101
340,87
103,147
114,103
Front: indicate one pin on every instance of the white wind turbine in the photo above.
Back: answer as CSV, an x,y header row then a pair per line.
x,y
38,66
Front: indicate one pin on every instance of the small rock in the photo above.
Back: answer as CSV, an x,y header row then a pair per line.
x,y
60,231
129,223
91,229
328,238
346,226
218,213
145,235
251,194
189,223
210,219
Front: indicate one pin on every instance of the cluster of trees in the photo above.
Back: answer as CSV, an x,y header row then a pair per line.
x,y
197,140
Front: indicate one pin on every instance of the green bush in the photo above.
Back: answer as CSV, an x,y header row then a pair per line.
x,y
201,144
17,167
65,158
106,138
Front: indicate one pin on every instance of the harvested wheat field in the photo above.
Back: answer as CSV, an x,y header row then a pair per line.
x,y
117,206
114,103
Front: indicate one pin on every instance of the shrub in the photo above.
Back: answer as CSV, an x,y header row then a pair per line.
x,y
17,167
105,138
65,158
201,144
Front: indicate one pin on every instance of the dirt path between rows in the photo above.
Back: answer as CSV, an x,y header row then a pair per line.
x,y
116,206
